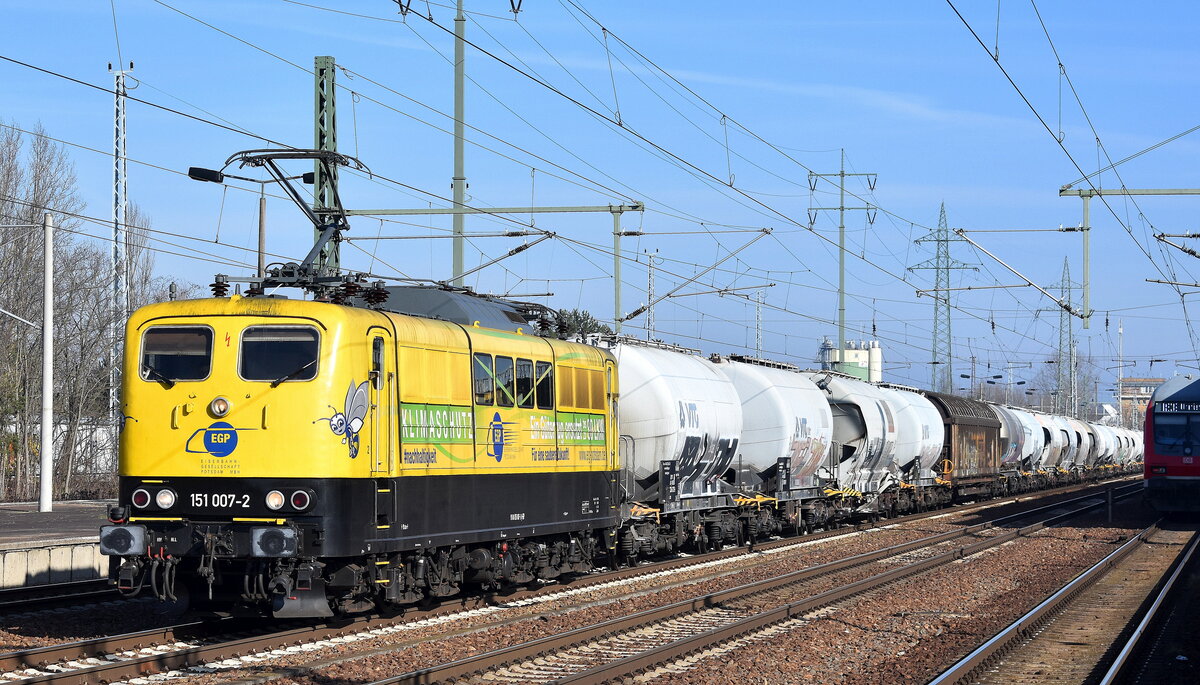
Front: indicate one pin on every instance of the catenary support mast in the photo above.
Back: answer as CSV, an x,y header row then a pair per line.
x,y
841,210
942,371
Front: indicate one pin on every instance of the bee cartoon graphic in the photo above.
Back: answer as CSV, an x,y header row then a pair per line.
x,y
349,421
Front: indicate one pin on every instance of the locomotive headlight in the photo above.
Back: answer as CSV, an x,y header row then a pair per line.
x,y
275,500
141,498
165,499
219,407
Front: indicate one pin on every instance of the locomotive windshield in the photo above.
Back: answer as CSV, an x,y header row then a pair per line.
x,y
176,353
278,353
1176,434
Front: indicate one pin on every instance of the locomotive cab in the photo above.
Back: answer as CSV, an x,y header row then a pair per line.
x,y
226,403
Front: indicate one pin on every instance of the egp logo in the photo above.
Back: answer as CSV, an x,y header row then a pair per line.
x,y
499,435
220,440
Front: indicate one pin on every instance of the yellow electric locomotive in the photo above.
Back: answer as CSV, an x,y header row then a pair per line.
x,y
307,457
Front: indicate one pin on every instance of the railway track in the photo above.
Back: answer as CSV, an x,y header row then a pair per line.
x,y
645,641
1153,649
39,597
1078,633
175,647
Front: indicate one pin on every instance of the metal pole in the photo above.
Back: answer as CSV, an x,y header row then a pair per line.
x,y
650,294
459,181
325,138
758,305
1120,373
1074,380
1008,384
616,270
46,496
119,306
842,264
975,379
262,236
1087,262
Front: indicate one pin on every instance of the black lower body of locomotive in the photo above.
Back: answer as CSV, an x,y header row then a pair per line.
x,y
360,542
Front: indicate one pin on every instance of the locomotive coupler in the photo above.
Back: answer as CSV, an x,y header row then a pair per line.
x,y
304,576
281,584
130,572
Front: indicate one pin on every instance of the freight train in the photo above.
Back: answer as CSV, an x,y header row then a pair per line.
x,y
1172,445
304,458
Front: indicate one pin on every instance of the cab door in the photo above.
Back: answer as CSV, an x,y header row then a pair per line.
x,y
381,393
612,432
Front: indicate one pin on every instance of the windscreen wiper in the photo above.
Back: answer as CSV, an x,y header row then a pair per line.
x,y
275,383
158,376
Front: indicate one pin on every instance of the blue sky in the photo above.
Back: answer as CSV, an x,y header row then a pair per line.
x,y
904,88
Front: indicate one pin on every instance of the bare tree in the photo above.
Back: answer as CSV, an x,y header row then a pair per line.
x,y
37,176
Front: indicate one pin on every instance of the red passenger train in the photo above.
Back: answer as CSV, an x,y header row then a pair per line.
x,y
1172,455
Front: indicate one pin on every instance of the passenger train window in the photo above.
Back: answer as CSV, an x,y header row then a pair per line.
x,y
481,379
505,392
545,385
176,353
278,353
524,383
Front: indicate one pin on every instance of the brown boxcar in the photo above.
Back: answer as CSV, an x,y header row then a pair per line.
x,y
971,452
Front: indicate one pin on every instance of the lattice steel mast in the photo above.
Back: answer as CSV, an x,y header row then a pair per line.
x,y
942,363
119,303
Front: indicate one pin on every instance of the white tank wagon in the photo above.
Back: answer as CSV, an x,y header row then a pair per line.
x,y
1033,448
920,434
1106,444
1138,450
1055,441
1012,437
864,436
787,428
1123,452
1071,452
1021,448
1086,457
681,425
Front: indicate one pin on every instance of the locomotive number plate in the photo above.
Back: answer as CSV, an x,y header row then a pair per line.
x,y
218,500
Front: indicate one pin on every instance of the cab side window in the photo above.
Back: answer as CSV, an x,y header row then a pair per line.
x,y
505,387
377,362
524,383
481,379
544,379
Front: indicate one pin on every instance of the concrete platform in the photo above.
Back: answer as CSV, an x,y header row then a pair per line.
x,y
54,547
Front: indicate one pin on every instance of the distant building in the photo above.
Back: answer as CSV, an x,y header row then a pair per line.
x,y
863,359
1134,395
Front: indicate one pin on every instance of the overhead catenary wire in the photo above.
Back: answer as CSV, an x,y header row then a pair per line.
x,y
235,130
